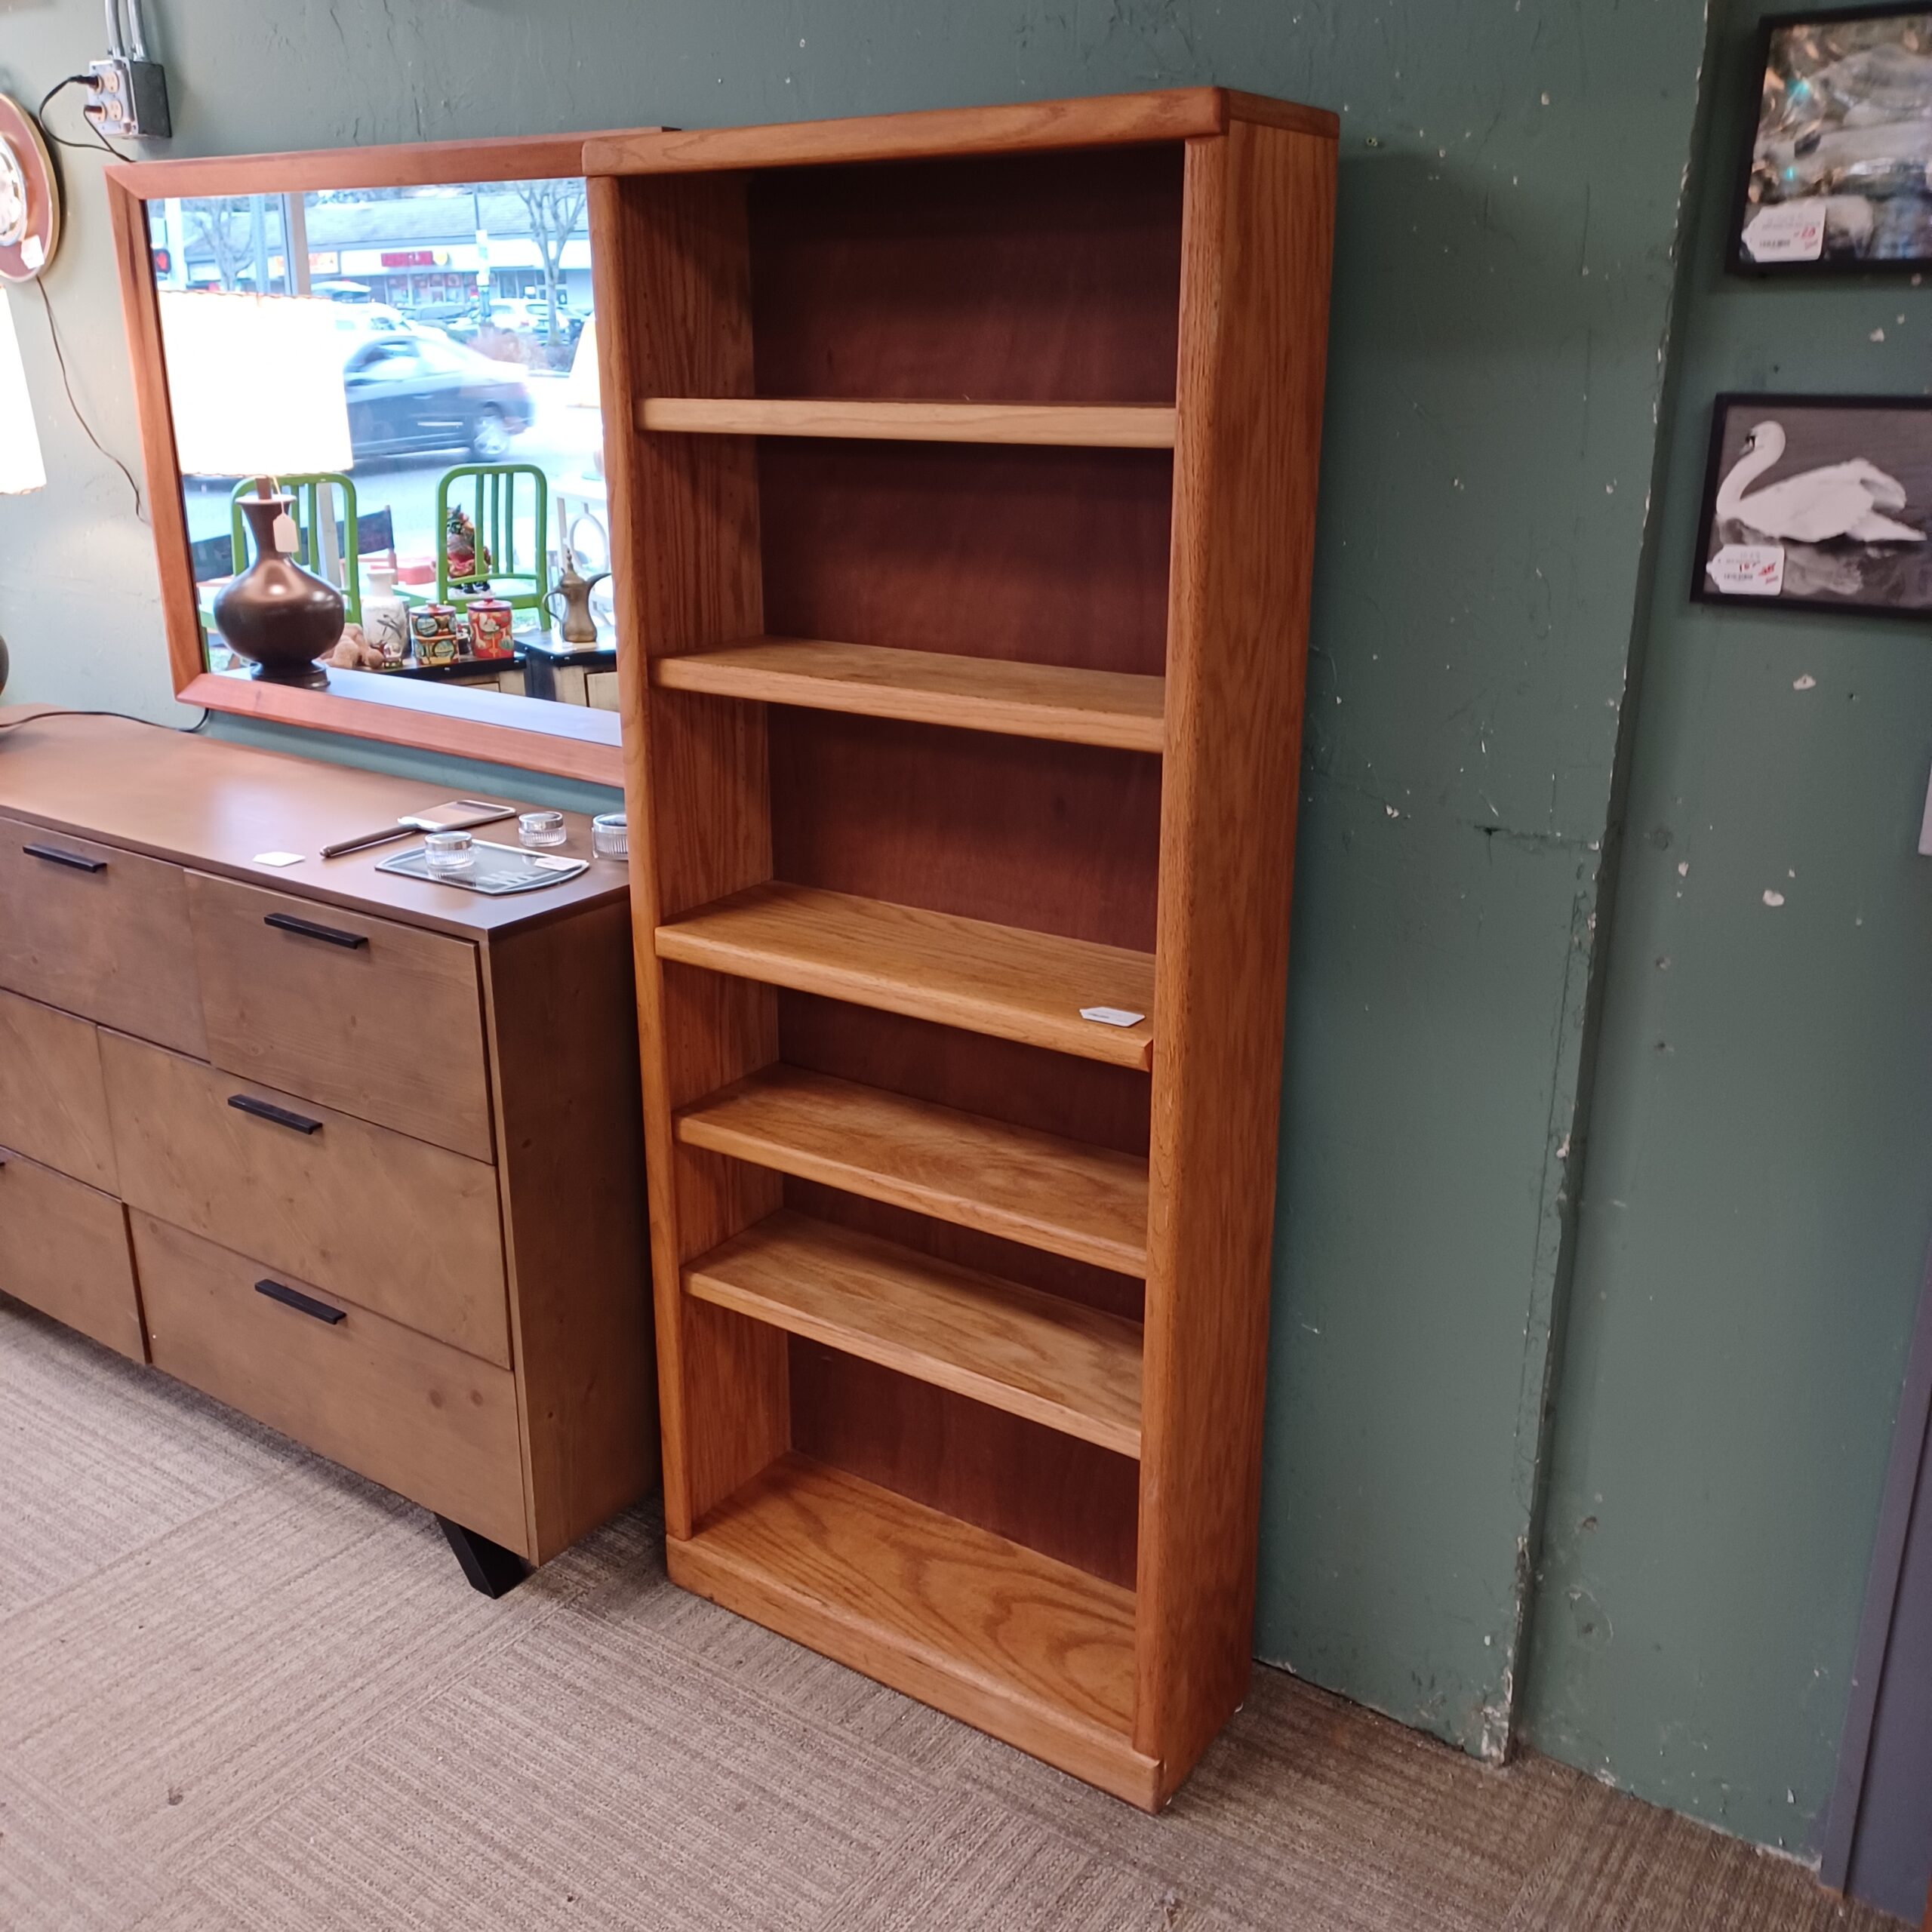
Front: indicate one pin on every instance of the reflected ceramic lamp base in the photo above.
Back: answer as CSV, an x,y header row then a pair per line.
x,y
275,614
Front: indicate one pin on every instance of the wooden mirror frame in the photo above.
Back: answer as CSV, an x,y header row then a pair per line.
x,y
569,740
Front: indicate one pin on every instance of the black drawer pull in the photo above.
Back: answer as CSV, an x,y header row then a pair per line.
x,y
302,1304
246,1103
287,922
55,857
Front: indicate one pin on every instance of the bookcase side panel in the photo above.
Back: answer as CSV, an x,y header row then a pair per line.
x,y
1255,264
672,278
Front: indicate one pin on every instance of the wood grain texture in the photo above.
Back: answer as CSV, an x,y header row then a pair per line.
x,y
570,1133
1088,1203
1077,425
1099,121
1053,1493
398,1227
390,1031
1016,831
112,944
405,164
672,273
1037,556
532,734
1114,708
1063,1366
154,412
1254,300
63,1250
1016,984
1106,1289
1033,1651
52,1104
1051,276
421,1418
1074,1099
196,802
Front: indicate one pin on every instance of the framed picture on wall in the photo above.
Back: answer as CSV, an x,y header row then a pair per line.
x,y
1839,174
1819,504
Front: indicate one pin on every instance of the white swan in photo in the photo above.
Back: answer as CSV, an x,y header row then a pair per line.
x,y
1839,499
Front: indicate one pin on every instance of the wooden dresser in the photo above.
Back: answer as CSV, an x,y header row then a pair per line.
x,y
358,1155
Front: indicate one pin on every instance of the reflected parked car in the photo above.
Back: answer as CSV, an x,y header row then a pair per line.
x,y
416,391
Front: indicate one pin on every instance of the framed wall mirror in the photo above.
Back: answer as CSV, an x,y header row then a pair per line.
x,y
403,340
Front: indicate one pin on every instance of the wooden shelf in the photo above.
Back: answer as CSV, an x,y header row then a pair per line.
x,y
1005,980
801,1362
1070,1367
1116,708
1088,1203
1081,426
1033,1651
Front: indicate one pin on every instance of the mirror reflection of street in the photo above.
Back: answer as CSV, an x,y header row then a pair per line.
x,y
562,441
435,348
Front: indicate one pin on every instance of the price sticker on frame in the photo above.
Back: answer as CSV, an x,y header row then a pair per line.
x,y
1786,231
1748,570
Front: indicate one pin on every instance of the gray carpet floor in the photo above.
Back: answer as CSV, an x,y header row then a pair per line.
x,y
241,1689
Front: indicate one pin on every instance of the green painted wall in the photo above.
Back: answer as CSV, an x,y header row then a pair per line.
x,y
1755,1210
1510,181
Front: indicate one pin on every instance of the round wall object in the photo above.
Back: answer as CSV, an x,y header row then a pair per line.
x,y
29,196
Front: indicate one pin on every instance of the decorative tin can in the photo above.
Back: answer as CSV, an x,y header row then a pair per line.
x,y
433,632
490,628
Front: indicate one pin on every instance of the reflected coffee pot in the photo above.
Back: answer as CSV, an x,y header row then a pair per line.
x,y
576,625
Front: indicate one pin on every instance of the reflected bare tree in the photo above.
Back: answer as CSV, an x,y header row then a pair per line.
x,y
555,208
220,226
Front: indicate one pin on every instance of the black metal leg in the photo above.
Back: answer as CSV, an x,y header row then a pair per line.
x,y
490,1568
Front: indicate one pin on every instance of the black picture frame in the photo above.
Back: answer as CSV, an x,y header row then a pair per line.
x,y
1716,467
1739,259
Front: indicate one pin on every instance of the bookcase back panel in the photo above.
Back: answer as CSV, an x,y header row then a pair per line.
x,y
1053,556
1033,1267
1062,838
1053,1493
1079,1100
1042,277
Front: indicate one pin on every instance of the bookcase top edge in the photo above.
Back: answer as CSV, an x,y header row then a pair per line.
x,y
1017,127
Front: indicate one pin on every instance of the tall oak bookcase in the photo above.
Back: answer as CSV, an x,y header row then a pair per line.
x,y
962,468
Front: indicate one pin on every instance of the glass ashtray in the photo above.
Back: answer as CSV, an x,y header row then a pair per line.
x,y
541,829
449,855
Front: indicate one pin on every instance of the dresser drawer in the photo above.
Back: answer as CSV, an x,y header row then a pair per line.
x,y
374,1018
63,1250
435,1424
53,1106
410,1230
99,932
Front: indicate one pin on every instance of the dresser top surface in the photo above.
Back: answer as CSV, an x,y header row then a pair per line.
x,y
215,807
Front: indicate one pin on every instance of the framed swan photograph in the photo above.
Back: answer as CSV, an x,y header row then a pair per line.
x,y
1839,174
1819,504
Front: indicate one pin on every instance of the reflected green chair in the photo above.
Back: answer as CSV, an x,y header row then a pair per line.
x,y
501,496
309,512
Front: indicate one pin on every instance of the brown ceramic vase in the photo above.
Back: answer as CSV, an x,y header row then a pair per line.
x,y
276,613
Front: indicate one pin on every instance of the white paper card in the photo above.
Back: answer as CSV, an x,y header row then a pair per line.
x,y
33,254
1112,1016
1748,570
287,538
1786,231
278,858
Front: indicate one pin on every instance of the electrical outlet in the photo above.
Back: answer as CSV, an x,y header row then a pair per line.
x,y
128,97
